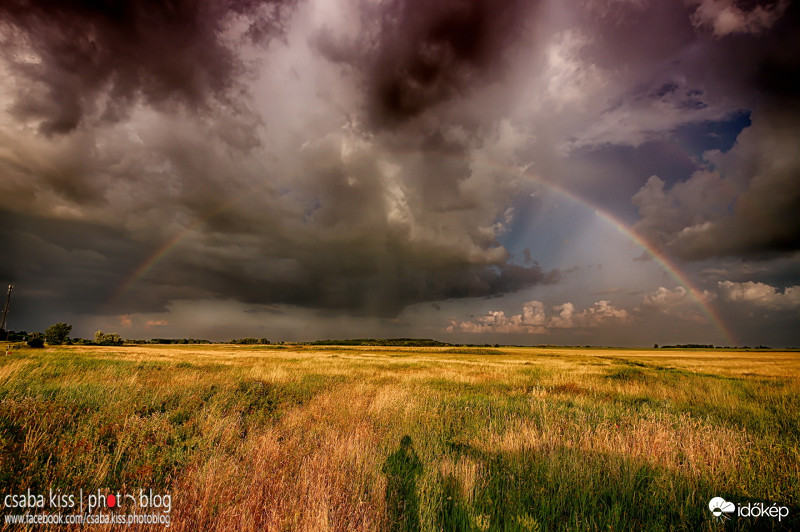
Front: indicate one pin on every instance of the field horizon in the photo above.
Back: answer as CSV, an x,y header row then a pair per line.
x,y
312,437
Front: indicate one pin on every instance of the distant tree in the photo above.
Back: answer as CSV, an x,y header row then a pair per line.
x,y
655,346
35,340
58,333
101,338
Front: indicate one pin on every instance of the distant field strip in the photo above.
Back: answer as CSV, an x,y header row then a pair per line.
x,y
388,438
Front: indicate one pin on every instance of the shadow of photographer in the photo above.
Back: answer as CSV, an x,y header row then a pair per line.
x,y
402,468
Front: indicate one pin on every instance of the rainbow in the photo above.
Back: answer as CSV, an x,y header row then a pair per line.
x,y
162,251
670,267
661,259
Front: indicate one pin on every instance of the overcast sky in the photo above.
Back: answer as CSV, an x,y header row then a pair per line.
x,y
607,172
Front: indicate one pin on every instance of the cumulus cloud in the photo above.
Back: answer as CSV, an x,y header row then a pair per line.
x,y
760,295
678,303
493,322
565,317
600,312
744,205
534,319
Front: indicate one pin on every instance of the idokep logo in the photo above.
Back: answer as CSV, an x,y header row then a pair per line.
x,y
720,506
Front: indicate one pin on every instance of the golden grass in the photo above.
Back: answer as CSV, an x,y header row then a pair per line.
x,y
318,463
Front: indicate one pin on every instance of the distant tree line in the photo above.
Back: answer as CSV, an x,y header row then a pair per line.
x,y
404,342
395,342
247,341
175,341
687,346
58,334
708,346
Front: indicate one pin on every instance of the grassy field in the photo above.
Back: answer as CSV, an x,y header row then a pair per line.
x,y
327,438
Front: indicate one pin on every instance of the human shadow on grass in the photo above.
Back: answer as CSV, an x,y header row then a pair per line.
x,y
402,468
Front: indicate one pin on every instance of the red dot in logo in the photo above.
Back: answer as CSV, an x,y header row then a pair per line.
x,y
111,500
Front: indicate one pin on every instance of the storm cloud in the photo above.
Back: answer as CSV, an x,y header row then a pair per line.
x,y
80,58
744,204
414,54
396,161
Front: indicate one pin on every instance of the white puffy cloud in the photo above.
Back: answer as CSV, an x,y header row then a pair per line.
x,y
493,321
664,298
564,318
760,294
534,319
601,312
677,302
533,314
531,320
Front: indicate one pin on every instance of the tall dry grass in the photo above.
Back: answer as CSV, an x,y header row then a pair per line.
x,y
303,439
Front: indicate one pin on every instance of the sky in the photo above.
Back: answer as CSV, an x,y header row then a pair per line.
x,y
598,172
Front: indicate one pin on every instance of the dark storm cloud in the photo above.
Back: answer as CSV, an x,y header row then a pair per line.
x,y
746,206
742,202
362,281
360,231
373,276
353,238
778,74
69,264
80,57
745,203
320,229
418,54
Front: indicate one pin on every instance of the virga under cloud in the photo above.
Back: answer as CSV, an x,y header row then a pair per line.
x,y
403,168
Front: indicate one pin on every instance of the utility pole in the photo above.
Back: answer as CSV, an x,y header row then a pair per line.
x,y
5,314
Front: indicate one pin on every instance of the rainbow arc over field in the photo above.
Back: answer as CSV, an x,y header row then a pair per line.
x,y
662,259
